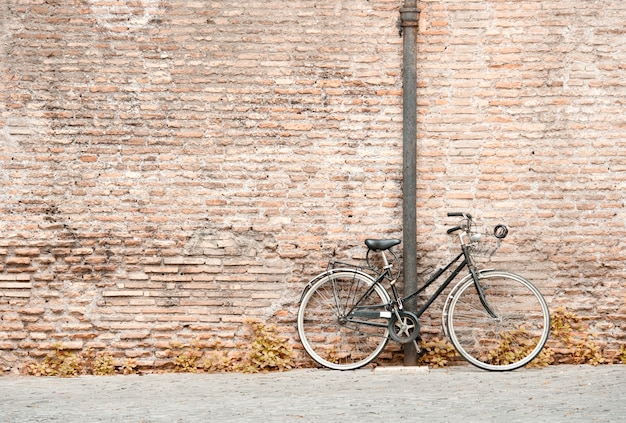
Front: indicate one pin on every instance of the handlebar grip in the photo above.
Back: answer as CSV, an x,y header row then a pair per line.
x,y
459,214
456,228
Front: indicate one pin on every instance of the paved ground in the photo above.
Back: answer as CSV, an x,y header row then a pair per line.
x,y
458,394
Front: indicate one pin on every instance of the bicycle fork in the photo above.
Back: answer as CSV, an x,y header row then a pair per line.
x,y
479,289
472,268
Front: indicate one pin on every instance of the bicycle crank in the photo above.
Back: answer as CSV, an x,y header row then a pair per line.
x,y
404,327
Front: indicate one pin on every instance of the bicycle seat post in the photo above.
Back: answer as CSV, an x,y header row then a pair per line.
x,y
387,268
392,282
387,265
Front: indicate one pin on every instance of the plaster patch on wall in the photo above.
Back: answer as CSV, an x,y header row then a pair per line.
x,y
19,131
210,242
9,24
132,15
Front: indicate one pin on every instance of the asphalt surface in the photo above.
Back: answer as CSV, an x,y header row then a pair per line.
x,y
456,394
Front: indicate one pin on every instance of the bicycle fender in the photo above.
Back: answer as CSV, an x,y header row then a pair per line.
x,y
326,273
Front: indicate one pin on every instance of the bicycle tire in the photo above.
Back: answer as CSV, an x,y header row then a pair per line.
x,y
509,341
326,334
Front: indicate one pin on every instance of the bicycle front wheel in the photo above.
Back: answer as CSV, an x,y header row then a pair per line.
x,y
510,339
328,329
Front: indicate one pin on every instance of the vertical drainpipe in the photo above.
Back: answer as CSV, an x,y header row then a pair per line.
x,y
409,14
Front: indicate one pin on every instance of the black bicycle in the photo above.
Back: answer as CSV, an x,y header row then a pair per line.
x,y
495,319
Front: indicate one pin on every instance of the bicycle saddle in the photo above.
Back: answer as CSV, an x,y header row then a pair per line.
x,y
381,244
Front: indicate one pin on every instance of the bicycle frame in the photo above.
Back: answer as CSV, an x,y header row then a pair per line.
x,y
432,279
398,301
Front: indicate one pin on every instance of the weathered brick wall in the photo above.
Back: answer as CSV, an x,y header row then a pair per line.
x,y
171,168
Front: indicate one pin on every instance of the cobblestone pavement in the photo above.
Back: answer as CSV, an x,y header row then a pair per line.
x,y
465,394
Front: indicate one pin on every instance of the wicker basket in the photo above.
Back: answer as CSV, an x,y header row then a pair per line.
x,y
483,244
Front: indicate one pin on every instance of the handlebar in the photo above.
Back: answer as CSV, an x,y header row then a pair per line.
x,y
467,216
499,231
460,214
456,228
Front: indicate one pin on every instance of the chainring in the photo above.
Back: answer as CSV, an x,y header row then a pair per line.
x,y
405,329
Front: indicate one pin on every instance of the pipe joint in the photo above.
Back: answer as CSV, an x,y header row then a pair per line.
x,y
409,16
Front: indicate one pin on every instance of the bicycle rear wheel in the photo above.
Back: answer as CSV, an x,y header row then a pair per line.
x,y
511,339
331,336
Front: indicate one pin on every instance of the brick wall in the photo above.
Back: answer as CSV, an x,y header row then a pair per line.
x,y
171,168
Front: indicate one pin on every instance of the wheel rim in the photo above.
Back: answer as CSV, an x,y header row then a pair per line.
x,y
511,340
326,333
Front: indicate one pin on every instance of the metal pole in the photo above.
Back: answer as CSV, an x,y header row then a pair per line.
x,y
409,14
